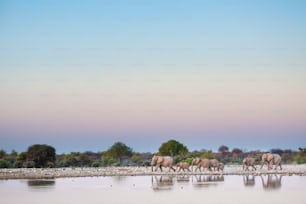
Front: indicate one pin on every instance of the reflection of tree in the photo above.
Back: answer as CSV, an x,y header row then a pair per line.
x,y
271,182
206,180
249,180
40,183
119,179
162,182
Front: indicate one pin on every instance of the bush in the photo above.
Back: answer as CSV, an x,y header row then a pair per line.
x,y
109,161
188,160
95,164
301,160
4,163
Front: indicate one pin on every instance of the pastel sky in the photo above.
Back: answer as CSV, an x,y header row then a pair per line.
x,y
81,75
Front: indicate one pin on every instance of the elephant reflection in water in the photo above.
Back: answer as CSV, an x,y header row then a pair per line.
x,y
273,181
162,182
183,179
206,180
249,180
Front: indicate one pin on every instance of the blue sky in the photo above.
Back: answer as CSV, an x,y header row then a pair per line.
x,y
82,75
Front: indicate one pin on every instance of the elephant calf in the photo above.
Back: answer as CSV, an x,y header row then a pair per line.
x,y
248,161
182,165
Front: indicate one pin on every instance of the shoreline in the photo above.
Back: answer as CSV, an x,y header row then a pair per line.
x,y
70,172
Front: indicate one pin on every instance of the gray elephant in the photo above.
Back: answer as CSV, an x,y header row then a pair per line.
x,y
220,166
162,161
195,162
277,161
270,160
266,158
247,162
214,164
205,163
182,166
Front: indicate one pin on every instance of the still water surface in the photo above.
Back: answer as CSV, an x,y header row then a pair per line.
x,y
156,189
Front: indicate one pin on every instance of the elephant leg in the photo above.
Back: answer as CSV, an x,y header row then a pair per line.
x,y
263,163
160,168
270,167
254,167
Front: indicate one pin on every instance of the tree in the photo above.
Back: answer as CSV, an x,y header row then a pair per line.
x,y
172,148
4,163
20,159
40,156
236,152
2,154
223,149
118,150
276,151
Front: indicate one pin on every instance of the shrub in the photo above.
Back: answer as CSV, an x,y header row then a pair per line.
x,y
95,164
4,163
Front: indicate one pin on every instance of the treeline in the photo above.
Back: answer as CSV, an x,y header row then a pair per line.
x,y
119,154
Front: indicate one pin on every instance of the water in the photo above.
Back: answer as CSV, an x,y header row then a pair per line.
x,y
156,189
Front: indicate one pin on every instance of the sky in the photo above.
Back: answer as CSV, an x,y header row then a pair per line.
x,y
81,75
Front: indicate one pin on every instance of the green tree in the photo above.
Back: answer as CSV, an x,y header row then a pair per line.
x,y
301,156
2,154
20,159
172,148
118,150
4,163
40,156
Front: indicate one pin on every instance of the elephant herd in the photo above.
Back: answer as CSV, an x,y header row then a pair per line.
x,y
213,164
167,161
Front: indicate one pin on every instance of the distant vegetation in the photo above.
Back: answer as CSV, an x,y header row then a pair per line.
x,y
119,154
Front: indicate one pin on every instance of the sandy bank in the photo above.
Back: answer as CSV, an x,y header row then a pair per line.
x,y
46,173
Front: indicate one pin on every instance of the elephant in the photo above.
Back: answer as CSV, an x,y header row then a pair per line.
x,y
162,161
182,166
271,159
277,161
220,166
195,162
266,158
248,161
214,164
205,163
